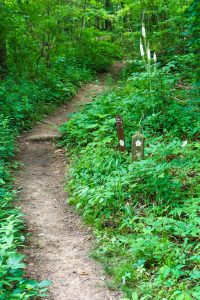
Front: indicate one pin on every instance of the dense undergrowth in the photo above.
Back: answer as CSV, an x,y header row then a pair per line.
x,y
23,103
145,214
41,66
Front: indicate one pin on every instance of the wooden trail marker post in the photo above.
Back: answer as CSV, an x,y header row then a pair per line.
x,y
120,131
137,146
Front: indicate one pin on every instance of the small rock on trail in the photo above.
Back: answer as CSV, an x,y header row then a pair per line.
x,y
59,243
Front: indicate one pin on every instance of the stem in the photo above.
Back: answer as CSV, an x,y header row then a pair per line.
x,y
150,85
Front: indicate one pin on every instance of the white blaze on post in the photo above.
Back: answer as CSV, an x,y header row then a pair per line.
x,y
137,146
121,142
138,143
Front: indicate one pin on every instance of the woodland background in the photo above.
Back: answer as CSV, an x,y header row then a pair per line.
x,y
145,214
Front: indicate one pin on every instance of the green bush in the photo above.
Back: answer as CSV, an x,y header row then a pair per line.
x,y
25,101
145,213
96,53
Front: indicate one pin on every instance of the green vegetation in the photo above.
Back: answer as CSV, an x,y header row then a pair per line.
x,y
22,103
12,284
45,56
145,214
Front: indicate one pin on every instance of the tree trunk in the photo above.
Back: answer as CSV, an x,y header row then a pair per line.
x,y
3,52
3,60
108,23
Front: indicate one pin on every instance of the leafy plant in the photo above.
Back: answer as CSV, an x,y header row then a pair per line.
x,y
145,213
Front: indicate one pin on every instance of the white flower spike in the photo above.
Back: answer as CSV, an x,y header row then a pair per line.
x,y
154,58
141,48
148,53
143,31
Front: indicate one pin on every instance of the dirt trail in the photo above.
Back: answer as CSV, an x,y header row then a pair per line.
x,y
59,243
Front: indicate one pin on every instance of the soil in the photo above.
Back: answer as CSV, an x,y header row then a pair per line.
x,y
59,243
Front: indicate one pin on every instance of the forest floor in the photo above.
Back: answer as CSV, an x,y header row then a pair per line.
x,y
59,243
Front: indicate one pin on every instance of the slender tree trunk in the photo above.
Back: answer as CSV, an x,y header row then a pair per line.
x,y
108,23
3,58
3,52
83,21
97,22
124,16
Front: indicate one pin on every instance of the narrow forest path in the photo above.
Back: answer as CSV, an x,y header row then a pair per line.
x,y
59,242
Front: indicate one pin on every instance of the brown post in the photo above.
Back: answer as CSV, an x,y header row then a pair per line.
x,y
137,146
120,131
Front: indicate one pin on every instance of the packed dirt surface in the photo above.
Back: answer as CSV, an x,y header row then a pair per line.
x,y
59,244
